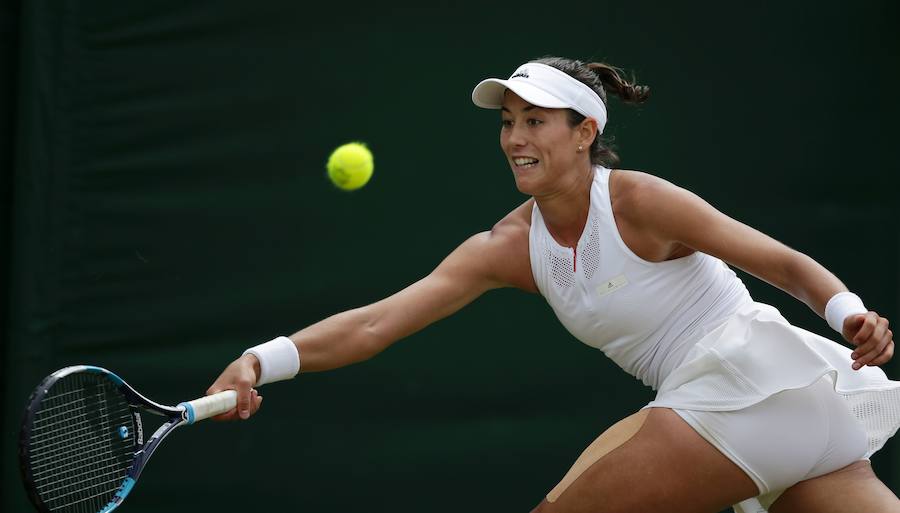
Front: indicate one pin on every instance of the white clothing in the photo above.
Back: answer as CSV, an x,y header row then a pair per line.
x,y
642,315
688,328
781,441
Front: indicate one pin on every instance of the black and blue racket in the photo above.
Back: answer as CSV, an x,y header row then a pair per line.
x,y
82,446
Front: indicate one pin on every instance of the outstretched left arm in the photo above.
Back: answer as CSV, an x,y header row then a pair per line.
x,y
677,215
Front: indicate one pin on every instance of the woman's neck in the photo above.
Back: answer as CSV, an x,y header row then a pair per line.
x,y
565,211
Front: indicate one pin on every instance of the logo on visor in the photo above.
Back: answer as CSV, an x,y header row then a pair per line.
x,y
523,74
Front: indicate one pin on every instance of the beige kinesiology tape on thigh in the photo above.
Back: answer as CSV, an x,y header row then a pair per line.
x,y
618,434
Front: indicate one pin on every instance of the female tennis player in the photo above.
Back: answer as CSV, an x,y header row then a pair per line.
x,y
747,406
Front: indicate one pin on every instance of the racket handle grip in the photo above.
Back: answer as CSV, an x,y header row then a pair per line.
x,y
209,406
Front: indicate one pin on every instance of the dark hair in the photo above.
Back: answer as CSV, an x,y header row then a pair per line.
x,y
600,77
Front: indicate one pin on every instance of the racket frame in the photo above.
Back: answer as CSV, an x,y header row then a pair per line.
x,y
177,416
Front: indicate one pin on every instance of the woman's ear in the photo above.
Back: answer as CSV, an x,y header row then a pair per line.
x,y
587,132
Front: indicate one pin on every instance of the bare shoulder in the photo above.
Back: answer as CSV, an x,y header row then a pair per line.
x,y
633,191
645,199
643,205
516,224
494,258
506,247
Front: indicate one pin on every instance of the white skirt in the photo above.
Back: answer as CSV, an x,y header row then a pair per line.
x,y
757,353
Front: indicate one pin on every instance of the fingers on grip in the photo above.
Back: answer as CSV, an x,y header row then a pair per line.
x,y
243,406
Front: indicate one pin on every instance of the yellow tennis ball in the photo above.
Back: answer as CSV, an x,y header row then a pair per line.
x,y
350,166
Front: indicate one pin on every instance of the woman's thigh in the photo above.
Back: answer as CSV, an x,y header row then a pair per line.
x,y
852,488
665,466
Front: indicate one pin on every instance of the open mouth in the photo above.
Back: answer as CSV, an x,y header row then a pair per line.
x,y
525,162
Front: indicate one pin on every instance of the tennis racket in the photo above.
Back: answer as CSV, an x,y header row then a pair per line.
x,y
82,446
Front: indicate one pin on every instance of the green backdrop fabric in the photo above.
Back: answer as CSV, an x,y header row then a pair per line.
x,y
9,40
170,208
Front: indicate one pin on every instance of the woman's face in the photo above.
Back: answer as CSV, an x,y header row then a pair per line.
x,y
540,146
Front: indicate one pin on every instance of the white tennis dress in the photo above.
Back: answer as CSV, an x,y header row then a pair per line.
x,y
689,329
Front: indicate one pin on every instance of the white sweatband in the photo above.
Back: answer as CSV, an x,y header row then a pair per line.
x,y
841,306
279,359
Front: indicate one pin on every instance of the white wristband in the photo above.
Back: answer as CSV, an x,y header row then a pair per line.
x,y
841,306
279,359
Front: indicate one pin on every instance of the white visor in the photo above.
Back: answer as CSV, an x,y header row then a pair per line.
x,y
544,86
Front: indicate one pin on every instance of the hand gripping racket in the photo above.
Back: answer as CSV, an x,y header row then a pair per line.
x,y
82,446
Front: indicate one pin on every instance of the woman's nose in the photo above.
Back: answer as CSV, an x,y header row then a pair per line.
x,y
516,136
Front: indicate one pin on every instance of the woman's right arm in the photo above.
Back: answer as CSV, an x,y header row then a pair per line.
x,y
488,260
361,333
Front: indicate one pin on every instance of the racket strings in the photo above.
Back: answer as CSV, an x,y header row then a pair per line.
x,y
50,470
89,503
83,436
82,443
62,415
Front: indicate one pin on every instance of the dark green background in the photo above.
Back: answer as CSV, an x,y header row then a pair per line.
x,y
168,207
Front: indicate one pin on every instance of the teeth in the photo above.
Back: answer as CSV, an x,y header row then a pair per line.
x,y
525,161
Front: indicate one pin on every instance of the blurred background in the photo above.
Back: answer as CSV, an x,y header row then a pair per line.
x,y
165,205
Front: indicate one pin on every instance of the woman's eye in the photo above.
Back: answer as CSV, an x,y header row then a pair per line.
x,y
534,122
506,123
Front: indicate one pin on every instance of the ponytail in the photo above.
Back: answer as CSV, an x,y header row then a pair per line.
x,y
611,78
